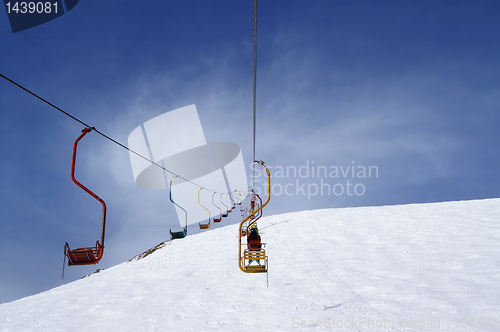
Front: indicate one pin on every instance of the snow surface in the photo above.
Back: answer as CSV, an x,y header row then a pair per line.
x,y
427,266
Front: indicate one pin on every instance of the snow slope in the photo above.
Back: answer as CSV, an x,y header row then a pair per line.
x,y
391,268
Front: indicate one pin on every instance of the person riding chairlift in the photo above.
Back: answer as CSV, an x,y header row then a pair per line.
x,y
253,239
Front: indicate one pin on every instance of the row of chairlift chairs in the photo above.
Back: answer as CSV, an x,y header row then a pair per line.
x,y
253,259
222,214
248,227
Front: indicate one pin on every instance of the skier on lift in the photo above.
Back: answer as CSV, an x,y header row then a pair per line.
x,y
253,238
253,241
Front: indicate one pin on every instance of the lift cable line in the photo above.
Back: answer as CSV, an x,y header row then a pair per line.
x,y
254,82
45,101
102,134
254,251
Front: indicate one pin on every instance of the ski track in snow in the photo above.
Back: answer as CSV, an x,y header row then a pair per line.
x,y
416,267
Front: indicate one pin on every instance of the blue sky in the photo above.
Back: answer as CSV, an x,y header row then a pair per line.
x,y
410,88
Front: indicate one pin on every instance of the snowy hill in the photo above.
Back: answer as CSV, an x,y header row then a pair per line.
x,y
419,267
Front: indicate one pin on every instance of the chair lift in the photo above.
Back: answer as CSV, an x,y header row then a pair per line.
x,y
248,211
244,208
220,215
225,213
230,203
253,219
183,233
246,231
254,205
238,198
90,255
203,226
254,255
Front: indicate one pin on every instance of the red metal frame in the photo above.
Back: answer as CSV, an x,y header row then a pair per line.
x,y
254,207
89,255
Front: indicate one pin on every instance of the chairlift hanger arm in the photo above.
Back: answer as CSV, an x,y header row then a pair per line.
x,y
183,233
220,215
203,226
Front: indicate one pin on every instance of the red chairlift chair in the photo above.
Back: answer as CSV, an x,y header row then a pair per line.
x,y
89,255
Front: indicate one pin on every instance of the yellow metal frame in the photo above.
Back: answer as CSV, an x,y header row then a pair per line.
x,y
220,215
203,226
255,254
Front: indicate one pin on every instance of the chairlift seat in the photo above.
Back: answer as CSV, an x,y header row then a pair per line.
x,y
178,235
204,226
84,256
257,256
